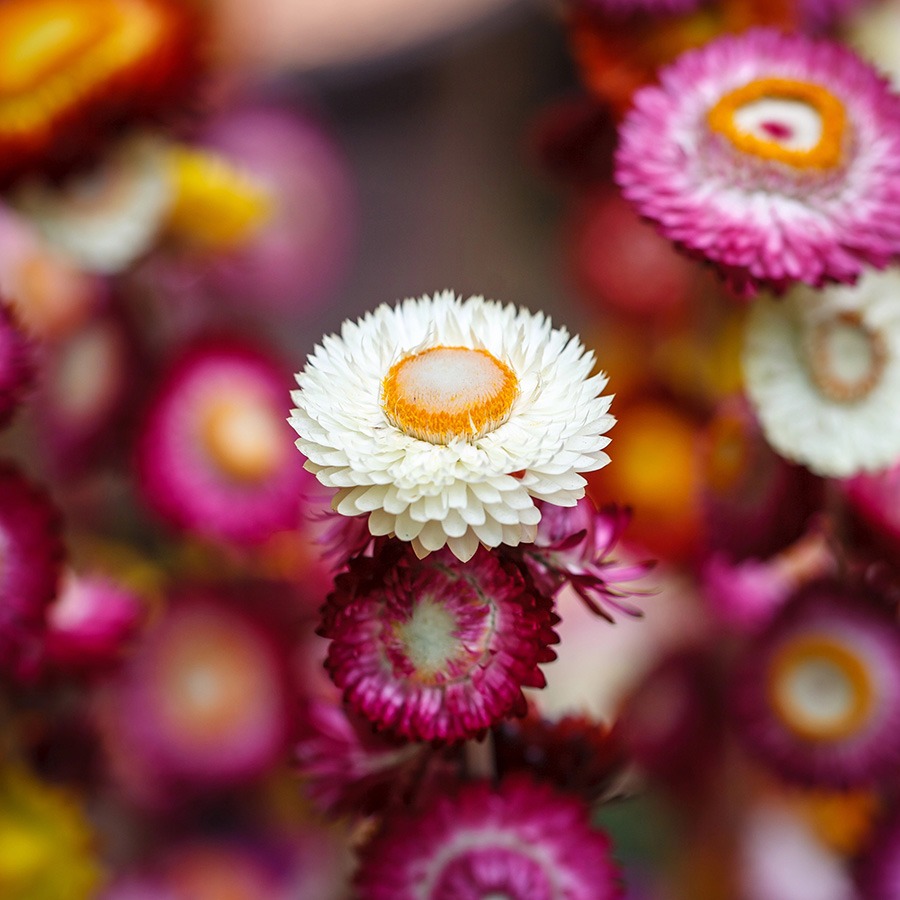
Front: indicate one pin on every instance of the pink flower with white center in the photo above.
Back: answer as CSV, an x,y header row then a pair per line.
x,y
774,156
31,555
91,621
433,650
817,695
16,364
520,841
215,455
202,703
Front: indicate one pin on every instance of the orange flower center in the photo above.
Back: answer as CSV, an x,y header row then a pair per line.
x,y
787,121
820,689
447,393
244,437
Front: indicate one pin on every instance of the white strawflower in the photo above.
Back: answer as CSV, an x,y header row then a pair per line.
x,y
822,370
444,420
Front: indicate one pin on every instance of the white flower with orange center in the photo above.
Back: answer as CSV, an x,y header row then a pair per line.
x,y
822,370
444,420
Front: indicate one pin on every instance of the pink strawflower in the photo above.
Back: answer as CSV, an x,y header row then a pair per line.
x,y
520,840
16,364
202,703
432,649
574,546
817,695
748,594
90,622
774,156
32,555
215,455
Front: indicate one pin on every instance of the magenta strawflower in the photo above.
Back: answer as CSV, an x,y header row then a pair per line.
x,y
202,703
817,696
520,841
215,455
31,555
91,621
347,767
774,156
434,650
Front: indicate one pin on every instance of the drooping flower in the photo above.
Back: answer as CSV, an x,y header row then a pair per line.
x,y
817,696
74,73
214,454
574,546
774,156
107,217
454,417
32,554
432,650
822,372
521,840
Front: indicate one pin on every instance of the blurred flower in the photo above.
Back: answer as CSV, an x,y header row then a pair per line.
x,y
454,417
90,383
202,703
107,217
50,295
817,695
641,7
823,374
90,621
264,209
433,650
773,156
32,554
347,767
74,73
519,840
755,503
47,844
16,364
214,455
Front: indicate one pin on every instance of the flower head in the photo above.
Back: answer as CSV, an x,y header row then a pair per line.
x,y
818,693
822,372
453,417
432,650
214,454
774,156
520,840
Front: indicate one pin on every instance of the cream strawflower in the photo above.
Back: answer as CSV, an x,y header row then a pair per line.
x,y
822,370
444,420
